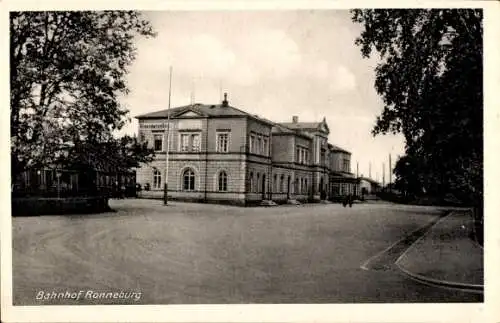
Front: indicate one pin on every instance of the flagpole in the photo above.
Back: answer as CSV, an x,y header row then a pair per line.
x,y
165,187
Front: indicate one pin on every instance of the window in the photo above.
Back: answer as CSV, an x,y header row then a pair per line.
x,y
259,145
156,179
305,186
222,142
250,189
258,183
265,148
282,183
275,183
188,180
346,165
195,142
222,181
307,157
158,142
185,142
252,143
298,155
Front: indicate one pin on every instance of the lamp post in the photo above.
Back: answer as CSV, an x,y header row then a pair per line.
x,y
167,146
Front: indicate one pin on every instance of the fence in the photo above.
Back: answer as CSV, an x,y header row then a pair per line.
x,y
65,183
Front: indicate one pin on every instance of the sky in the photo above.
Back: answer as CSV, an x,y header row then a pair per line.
x,y
276,64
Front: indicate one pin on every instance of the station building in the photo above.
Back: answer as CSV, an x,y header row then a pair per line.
x,y
219,153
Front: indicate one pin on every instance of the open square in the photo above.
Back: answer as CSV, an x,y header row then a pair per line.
x,y
188,253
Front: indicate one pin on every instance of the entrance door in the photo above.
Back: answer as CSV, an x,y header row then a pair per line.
x,y
321,189
288,188
264,187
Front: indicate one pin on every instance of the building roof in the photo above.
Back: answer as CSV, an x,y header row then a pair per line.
x,y
369,180
301,125
279,129
337,148
204,110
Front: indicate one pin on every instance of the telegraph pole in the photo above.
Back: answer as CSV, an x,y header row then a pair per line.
x,y
165,186
383,175
390,173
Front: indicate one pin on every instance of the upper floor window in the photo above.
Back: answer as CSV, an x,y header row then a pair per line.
x,y
302,155
189,142
195,142
323,157
252,143
222,142
158,142
259,144
346,167
185,141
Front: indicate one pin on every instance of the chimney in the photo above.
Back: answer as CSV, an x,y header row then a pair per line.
x,y
224,102
295,119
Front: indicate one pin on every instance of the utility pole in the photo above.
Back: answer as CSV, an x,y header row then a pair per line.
x,y
390,173
383,175
165,186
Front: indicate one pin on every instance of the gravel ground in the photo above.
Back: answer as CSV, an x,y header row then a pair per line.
x,y
201,254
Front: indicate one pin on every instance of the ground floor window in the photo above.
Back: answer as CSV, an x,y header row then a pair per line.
x,y
188,180
222,181
156,179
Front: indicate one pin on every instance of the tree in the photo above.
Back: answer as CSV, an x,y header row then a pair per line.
x,y
67,71
113,155
430,79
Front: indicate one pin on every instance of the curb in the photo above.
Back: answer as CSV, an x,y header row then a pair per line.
x,y
472,288
426,229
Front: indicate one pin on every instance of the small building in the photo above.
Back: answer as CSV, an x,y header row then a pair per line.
x,y
369,186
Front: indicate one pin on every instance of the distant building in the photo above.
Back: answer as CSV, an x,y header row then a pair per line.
x,y
368,186
218,153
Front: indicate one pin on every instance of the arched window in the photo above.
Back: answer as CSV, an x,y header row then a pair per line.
x,y
222,181
156,179
188,180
